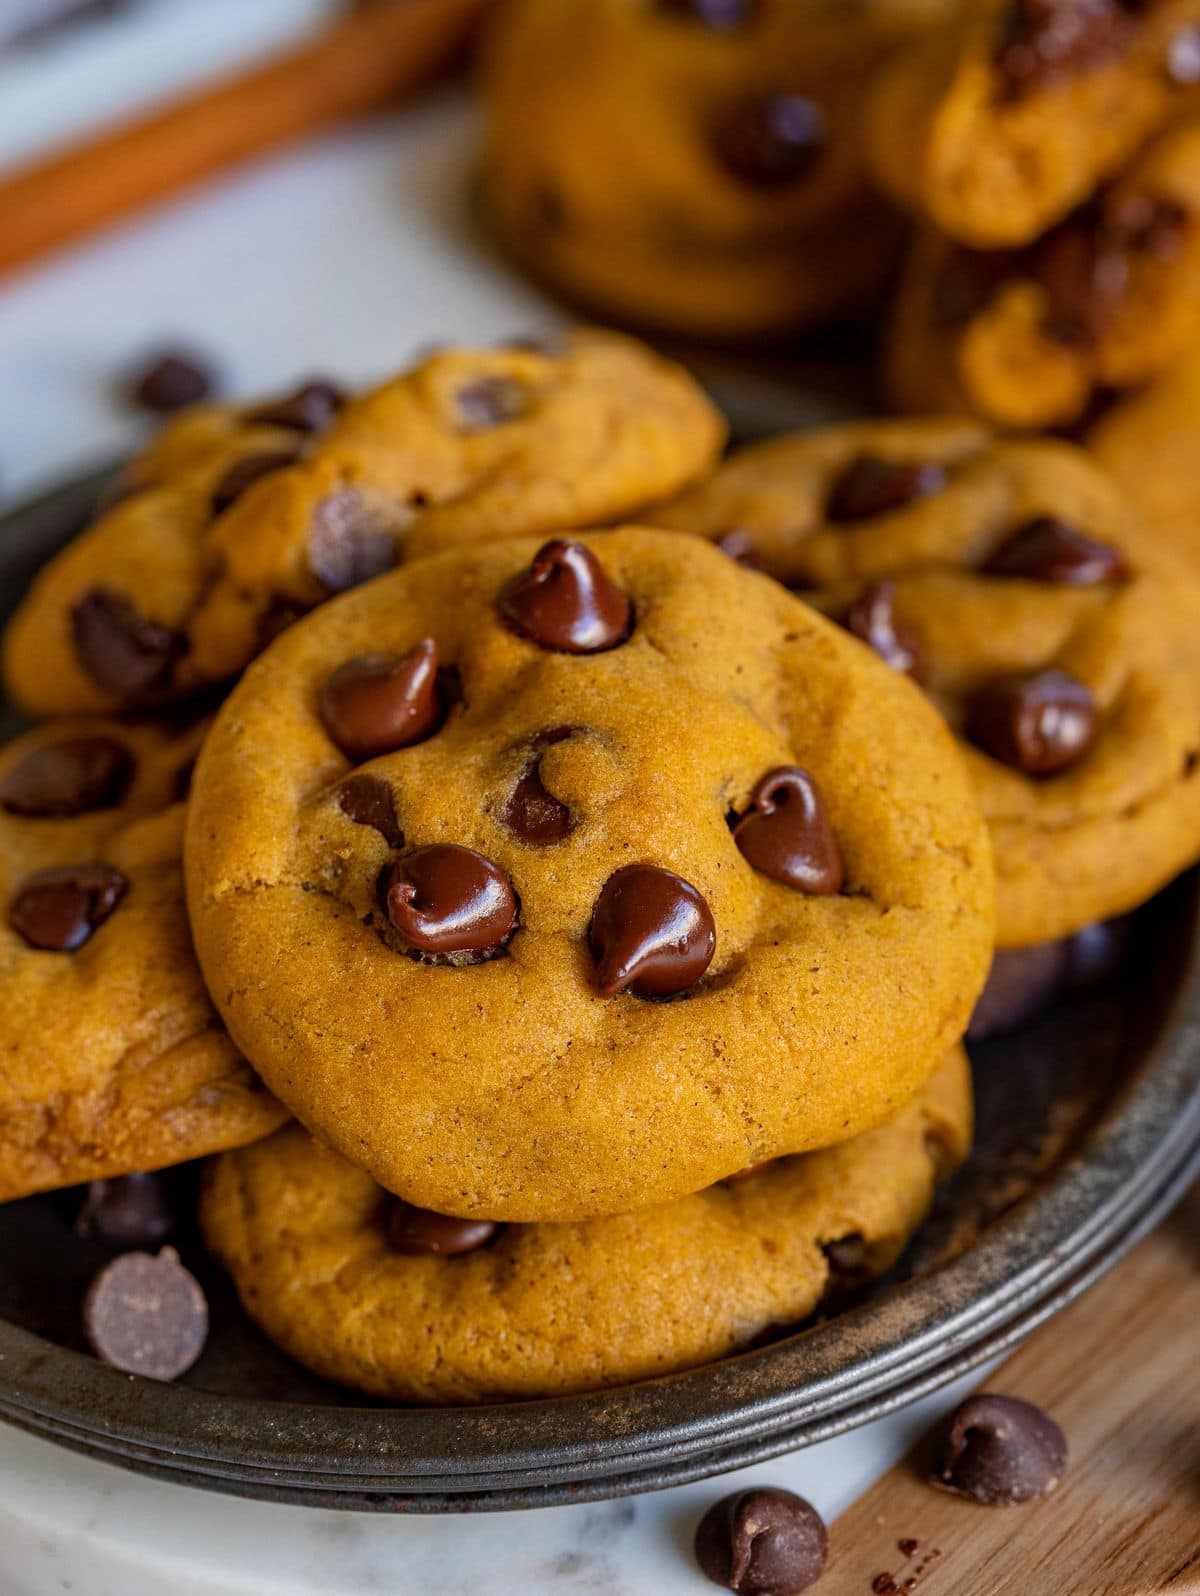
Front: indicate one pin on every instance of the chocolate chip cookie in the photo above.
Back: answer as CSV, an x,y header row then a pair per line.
x,y
1034,338
997,126
547,882
418,1307
693,164
1028,597
237,521
114,1059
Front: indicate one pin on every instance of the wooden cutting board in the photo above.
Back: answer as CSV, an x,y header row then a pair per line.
x,y
1120,1372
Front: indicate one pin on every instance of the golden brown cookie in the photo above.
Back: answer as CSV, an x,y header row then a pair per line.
x,y
1026,594
247,518
414,1307
693,164
114,1059
456,837
997,126
1033,338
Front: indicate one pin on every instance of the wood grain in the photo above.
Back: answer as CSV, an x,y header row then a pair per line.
x,y
1120,1371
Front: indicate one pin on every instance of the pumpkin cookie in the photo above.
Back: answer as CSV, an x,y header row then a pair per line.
x,y
455,839
693,164
1025,594
416,1307
114,1060
237,521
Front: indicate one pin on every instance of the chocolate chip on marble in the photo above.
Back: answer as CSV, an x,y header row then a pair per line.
x,y
1044,41
786,835
169,381
347,543
146,1314
565,602
123,651
872,619
533,815
244,473
420,1233
127,1211
310,408
723,16
450,901
1039,724
75,776
368,801
1049,549
768,141
871,485
651,933
58,909
762,1542
1000,1451
379,703
490,402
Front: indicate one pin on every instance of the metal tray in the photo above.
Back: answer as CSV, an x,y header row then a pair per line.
x,y
1089,1129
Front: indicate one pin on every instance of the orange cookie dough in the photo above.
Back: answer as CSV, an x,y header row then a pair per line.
x,y
456,839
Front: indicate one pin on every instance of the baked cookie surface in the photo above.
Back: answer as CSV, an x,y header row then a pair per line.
x,y
1035,607
346,1280
238,520
454,835
114,1059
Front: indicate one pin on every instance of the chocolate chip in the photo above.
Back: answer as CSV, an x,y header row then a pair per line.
x,y
533,815
420,1233
849,1257
1039,724
244,473
786,834
450,901
57,910
651,933
770,141
764,1542
347,543
490,402
309,409
73,777
170,381
1021,984
370,802
723,16
146,1314
122,650
378,703
1000,1451
871,486
1183,57
1044,41
1096,953
565,602
739,546
1049,549
872,619
128,1211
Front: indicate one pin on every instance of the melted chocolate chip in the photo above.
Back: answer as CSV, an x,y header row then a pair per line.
x,y
1045,41
123,651
565,602
57,910
170,381
450,901
786,834
309,409
1048,549
420,1233
244,473
1000,1451
1039,724
871,486
872,619
73,777
533,815
723,16
763,1542
128,1211
368,801
146,1314
347,545
378,703
651,933
490,402
770,141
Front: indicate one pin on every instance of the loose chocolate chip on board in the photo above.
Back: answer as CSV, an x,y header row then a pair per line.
x,y
309,409
368,801
57,910
651,933
786,835
1040,724
244,473
565,602
128,1211
76,776
420,1233
146,1314
764,1542
872,619
450,901
170,381
1049,549
1000,1451
871,486
347,544
770,141
490,402
378,703
723,16
123,651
